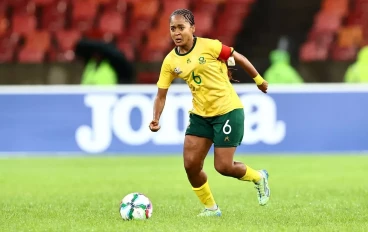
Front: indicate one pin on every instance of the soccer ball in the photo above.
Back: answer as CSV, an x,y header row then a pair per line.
x,y
135,206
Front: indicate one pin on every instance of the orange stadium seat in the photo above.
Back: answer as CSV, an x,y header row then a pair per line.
x,y
350,36
4,25
145,9
38,40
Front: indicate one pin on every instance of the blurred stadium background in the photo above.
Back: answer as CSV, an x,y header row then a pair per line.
x,y
46,110
322,37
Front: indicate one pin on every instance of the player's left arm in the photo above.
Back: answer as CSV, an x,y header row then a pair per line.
x,y
228,54
251,70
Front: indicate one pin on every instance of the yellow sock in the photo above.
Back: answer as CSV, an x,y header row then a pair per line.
x,y
205,196
251,175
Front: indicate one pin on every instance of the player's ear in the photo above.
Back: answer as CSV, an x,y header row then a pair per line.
x,y
193,29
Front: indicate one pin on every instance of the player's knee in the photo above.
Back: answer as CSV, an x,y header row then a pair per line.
x,y
223,168
192,165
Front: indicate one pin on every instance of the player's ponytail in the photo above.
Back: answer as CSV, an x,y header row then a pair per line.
x,y
230,74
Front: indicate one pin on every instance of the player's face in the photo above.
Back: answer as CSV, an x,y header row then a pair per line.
x,y
181,31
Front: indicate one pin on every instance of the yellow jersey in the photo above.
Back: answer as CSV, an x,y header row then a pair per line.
x,y
206,75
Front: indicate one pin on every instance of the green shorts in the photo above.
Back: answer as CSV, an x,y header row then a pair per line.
x,y
225,130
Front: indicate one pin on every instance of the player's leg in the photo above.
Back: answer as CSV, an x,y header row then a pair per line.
x,y
198,141
229,130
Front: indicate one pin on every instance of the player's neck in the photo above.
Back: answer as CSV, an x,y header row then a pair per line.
x,y
187,47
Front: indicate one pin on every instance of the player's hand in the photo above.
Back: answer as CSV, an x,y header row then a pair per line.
x,y
154,126
263,87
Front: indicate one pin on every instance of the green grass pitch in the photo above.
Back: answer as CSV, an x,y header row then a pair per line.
x,y
308,193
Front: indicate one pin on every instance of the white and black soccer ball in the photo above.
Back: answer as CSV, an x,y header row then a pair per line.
x,y
136,206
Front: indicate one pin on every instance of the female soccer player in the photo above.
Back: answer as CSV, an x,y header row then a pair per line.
x,y
217,116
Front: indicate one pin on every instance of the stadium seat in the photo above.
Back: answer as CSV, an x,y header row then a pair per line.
x,y
111,22
158,40
67,39
120,6
30,55
324,38
4,25
343,53
350,36
84,13
145,9
127,49
6,54
327,22
37,40
205,25
44,2
23,23
21,7
311,52
169,6
53,16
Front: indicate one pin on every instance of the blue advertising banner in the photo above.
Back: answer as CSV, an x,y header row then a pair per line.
x,y
73,119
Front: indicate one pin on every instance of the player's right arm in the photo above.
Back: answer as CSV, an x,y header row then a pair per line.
x,y
163,84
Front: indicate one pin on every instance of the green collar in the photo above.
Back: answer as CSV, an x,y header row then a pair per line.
x,y
194,43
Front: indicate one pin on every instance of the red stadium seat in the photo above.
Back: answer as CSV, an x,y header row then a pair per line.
x,y
170,6
44,2
30,55
111,22
67,39
343,53
53,16
327,22
23,23
120,6
210,7
6,54
127,49
84,13
311,52
205,25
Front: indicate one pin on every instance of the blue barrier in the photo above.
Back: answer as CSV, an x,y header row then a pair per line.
x,y
61,119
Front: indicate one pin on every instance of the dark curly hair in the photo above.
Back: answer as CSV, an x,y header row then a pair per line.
x,y
187,14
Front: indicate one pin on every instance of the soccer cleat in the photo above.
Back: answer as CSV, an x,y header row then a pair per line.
x,y
263,189
210,213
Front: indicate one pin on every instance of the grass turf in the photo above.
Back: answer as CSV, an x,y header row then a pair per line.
x,y
308,193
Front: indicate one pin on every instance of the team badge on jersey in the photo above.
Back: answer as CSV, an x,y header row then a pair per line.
x,y
177,70
202,60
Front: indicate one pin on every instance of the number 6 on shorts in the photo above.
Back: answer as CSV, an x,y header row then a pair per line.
x,y
227,128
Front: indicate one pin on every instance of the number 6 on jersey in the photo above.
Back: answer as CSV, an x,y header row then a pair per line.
x,y
227,128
